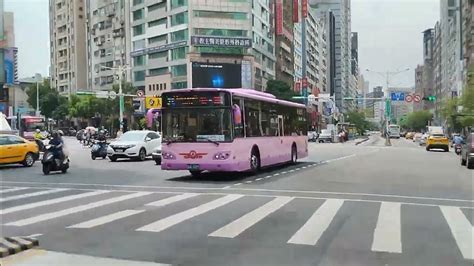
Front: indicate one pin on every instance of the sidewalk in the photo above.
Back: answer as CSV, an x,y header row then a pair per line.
x,y
38,257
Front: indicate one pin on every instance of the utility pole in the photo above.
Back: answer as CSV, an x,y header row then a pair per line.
x,y
120,70
37,99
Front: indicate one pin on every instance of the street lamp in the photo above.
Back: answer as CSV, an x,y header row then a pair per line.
x,y
121,70
387,75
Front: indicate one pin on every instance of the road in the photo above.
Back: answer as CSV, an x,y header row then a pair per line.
x,y
345,204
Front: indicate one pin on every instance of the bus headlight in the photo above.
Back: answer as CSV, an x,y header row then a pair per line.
x,y
168,156
223,155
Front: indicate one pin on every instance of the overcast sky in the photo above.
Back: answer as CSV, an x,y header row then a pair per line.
x,y
390,35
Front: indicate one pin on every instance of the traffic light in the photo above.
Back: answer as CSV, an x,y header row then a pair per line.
x,y
430,98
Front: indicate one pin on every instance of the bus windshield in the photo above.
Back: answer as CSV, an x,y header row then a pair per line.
x,y
197,125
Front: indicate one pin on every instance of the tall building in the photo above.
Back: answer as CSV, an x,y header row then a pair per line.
x,y
467,31
437,74
67,23
428,68
284,48
419,88
342,49
108,42
377,92
180,43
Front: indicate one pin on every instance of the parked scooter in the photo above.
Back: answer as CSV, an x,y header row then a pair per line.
x,y
99,149
52,163
457,148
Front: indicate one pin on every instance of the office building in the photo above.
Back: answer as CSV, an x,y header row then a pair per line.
x,y
377,92
428,68
67,22
180,43
342,48
284,47
108,42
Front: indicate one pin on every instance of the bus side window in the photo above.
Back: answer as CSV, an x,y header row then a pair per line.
x,y
237,110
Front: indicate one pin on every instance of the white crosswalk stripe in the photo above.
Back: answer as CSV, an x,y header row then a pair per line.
x,y
462,230
13,189
172,220
34,194
51,201
52,215
236,227
172,199
313,229
387,235
106,219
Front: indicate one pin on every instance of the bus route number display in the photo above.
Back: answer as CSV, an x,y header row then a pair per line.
x,y
195,99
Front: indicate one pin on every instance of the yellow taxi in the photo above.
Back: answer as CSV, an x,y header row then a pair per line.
x,y
14,149
437,141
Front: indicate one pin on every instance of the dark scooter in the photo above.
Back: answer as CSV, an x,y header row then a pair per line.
x,y
52,163
457,148
99,149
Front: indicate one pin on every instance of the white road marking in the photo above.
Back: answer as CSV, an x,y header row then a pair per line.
x,y
267,177
238,184
236,227
248,182
276,174
314,228
226,187
106,219
304,167
172,199
339,158
258,179
284,172
462,230
13,189
39,193
51,201
52,215
172,220
387,234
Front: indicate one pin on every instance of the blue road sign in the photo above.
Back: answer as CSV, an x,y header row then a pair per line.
x,y
397,96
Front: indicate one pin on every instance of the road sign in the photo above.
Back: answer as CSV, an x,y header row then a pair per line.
x,y
102,94
397,96
112,95
417,98
408,98
140,93
152,102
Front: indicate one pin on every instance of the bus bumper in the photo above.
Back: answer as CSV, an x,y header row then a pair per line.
x,y
218,166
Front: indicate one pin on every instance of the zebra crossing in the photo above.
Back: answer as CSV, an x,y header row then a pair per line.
x,y
387,233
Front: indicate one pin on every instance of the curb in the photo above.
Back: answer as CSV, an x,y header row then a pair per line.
x,y
362,141
13,245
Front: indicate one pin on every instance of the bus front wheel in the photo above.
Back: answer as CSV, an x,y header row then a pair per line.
x,y
254,161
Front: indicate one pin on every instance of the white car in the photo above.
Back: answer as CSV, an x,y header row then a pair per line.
x,y
136,144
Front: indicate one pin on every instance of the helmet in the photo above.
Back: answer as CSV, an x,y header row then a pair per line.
x,y
60,132
38,130
102,131
55,135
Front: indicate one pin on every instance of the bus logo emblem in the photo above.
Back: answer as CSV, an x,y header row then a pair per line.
x,y
193,155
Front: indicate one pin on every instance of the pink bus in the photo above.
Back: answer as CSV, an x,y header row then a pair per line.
x,y
230,130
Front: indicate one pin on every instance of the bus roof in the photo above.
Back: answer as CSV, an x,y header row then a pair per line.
x,y
247,93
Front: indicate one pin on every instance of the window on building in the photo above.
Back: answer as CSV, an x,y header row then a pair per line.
x,y
138,14
138,45
221,32
220,15
139,60
157,55
138,2
161,21
179,70
181,35
164,86
179,85
157,71
139,30
178,3
180,18
179,53
157,6
157,39
139,75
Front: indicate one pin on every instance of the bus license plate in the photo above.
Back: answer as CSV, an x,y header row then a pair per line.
x,y
193,166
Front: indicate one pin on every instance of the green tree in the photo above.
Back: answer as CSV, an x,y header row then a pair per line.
x,y
52,104
359,121
467,100
418,120
280,89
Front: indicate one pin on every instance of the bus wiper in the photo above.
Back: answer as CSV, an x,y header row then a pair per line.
x,y
210,140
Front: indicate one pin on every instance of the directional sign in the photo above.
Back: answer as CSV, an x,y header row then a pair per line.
x,y
397,96
408,98
152,102
417,98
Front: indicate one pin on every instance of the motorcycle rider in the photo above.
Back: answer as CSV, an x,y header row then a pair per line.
x,y
39,139
457,140
57,146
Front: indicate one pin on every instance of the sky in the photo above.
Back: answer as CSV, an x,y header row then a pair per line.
x,y
390,36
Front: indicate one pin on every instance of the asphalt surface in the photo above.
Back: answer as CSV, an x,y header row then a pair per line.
x,y
345,204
